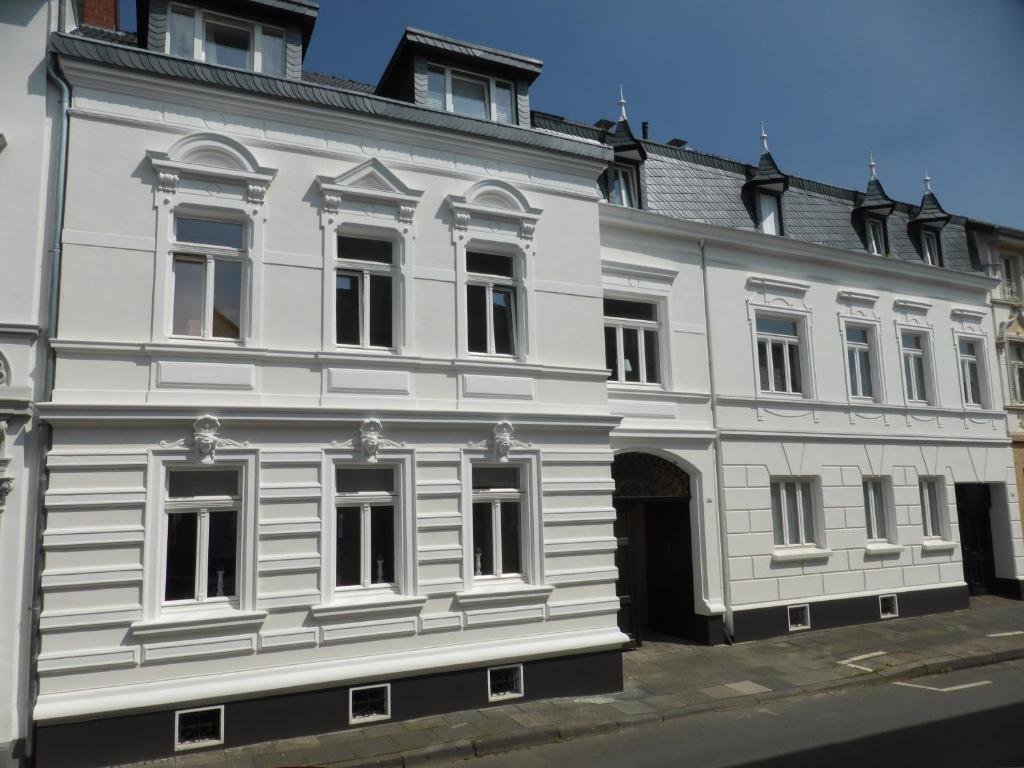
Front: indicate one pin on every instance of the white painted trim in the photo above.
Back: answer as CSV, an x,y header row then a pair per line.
x,y
352,720
115,657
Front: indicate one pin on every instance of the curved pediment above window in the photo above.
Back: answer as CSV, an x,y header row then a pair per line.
x,y
211,157
489,204
370,187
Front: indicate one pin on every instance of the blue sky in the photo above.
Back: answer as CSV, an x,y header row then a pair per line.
x,y
936,82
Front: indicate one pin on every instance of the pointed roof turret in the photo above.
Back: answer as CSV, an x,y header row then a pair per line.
x,y
875,200
930,211
767,175
622,105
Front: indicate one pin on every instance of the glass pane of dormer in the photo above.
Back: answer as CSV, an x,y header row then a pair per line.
x,y
504,112
469,97
227,46
183,31
272,53
435,88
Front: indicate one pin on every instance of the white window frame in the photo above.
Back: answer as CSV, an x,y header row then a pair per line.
x,y
530,527
925,353
364,269
979,361
254,28
626,178
492,697
802,540
1015,370
352,720
874,361
1010,286
180,747
489,84
642,327
155,543
366,501
876,236
941,511
209,255
490,282
800,341
496,497
930,247
873,516
762,214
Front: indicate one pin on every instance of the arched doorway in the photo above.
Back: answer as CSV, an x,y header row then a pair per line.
x,y
654,555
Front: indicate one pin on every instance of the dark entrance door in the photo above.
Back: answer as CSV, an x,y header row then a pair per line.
x,y
652,525
973,509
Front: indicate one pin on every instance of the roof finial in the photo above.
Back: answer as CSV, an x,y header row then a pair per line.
x,y
872,165
927,182
764,139
622,105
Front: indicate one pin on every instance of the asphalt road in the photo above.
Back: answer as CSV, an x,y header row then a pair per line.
x,y
979,725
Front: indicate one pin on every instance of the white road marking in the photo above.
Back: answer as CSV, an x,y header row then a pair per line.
x,y
850,662
950,689
1006,634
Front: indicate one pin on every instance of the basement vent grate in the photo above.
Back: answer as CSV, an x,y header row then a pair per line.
x,y
195,728
888,606
799,617
505,682
369,703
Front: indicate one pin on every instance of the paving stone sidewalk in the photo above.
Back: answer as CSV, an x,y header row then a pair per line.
x,y
663,680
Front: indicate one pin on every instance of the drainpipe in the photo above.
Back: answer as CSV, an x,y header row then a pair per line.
x,y
717,446
45,434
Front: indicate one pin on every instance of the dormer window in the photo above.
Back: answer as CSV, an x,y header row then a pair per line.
x,y
622,186
225,41
876,237
930,248
768,216
485,98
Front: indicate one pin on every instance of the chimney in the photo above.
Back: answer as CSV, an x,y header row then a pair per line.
x,y
99,13
645,129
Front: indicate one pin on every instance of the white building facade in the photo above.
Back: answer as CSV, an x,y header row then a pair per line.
x,y
377,401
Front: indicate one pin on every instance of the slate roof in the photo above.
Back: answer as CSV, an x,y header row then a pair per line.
x,y
461,48
108,35
349,100
318,78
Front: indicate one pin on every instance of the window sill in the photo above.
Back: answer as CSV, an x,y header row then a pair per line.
x,y
882,548
635,386
799,554
783,396
185,622
937,545
503,592
369,603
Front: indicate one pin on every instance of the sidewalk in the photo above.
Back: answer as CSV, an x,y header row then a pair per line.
x,y
664,680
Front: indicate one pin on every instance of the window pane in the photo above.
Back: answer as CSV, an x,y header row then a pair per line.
x,y
207,232
769,208
763,366
779,383
611,353
776,325
182,531
435,88
183,30
347,308
489,264
808,512
879,510
631,353
651,357
792,512
380,311
908,371
866,388
221,565
922,392
780,533
469,97
483,542
348,547
476,317
911,341
227,46
1020,383
974,383
857,335
967,348
363,249
272,51
633,310
933,508
495,477
504,320
190,483
364,480
851,358
504,109
227,299
382,545
868,516
796,384
189,288
510,538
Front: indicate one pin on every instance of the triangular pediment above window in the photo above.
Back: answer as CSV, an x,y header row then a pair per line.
x,y
371,181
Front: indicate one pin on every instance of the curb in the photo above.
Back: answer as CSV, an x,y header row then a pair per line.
x,y
536,736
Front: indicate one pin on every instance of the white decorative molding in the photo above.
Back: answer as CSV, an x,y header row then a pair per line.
x,y
91,659
205,439
369,188
857,297
968,315
500,387
502,441
205,648
211,156
5,371
913,306
206,375
776,284
6,486
494,201
371,440
367,381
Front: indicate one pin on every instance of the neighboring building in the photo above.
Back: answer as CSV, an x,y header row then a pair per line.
x,y
378,401
27,194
